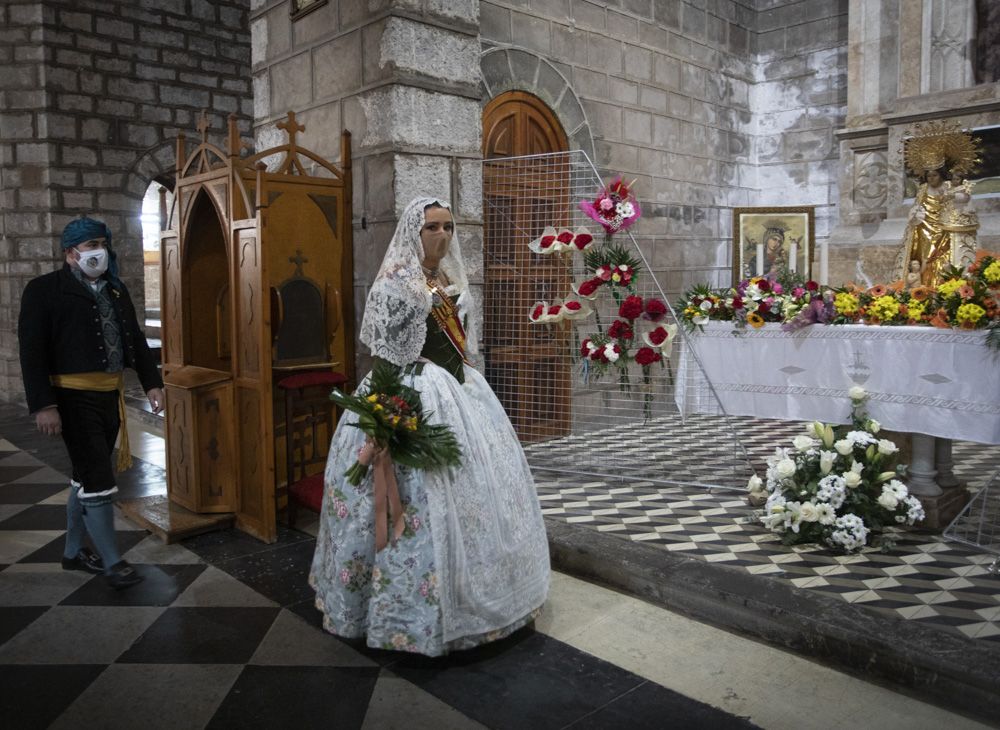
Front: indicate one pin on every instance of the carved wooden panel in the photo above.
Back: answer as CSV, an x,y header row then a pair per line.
x,y
171,302
251,306
180,466
214,429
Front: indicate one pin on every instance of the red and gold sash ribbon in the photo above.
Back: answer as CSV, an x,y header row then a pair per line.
x,y
388,505
446,315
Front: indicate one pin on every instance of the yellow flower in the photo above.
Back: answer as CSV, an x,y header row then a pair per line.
x,y
916,309
884,308
992,273
755,320
411,423
950,287
378,407
372,398
845,303
616,278
969,313
394,420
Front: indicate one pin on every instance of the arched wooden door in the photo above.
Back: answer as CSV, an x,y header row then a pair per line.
x,y
526,365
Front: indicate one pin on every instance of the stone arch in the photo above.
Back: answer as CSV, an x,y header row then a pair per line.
x,y
155,163
514,69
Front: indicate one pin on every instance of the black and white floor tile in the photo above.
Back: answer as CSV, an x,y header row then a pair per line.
x,y
924,578
222,634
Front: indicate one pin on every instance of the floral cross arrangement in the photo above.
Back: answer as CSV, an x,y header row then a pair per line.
x,y
836,485
638,333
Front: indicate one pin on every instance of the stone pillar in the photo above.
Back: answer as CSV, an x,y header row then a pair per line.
x,y
403,76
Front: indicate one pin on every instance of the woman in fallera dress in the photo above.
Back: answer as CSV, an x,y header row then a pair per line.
x,y
472,563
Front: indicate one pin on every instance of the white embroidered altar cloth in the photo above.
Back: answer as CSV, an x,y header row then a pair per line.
x,y
920,379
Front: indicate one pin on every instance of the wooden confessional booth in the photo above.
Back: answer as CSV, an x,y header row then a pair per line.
x,y
257,283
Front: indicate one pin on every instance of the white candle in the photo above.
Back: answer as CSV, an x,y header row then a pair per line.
x,y
793,257
760,259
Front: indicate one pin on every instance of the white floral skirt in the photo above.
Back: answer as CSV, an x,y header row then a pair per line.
x,y
473,563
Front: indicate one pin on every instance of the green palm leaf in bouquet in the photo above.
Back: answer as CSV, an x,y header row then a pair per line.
x,y
391,415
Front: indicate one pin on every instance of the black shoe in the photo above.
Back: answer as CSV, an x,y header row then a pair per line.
x,y
122,575
86,560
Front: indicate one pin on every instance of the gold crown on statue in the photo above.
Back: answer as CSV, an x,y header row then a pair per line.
x,y
936,144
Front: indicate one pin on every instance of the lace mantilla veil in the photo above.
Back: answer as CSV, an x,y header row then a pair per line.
x,y
394,325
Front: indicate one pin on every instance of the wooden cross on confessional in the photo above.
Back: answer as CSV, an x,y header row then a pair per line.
x,y
298,259
291,127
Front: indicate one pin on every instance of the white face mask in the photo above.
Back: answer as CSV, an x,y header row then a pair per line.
x,y
93,263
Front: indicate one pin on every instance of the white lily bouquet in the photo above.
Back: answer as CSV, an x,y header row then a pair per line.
x,y
838,485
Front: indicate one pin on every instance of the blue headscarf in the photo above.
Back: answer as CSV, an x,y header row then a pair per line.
x,y
86,229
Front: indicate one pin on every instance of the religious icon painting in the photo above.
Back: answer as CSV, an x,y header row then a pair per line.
x,y
771,240
303,7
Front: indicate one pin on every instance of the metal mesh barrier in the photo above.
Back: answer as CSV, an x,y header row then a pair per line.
x,y
623,424
978,524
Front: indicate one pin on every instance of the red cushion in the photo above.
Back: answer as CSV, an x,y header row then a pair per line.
x,y
308,492
315,377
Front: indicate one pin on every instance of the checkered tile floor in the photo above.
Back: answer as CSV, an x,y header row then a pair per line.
x,y
223,634
923,578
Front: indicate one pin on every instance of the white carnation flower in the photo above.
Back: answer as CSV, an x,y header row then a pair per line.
x,y
609,352
755,485
857,393
860,438
852,479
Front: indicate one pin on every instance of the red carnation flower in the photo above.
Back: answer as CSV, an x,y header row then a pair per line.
x,y
603,273
565,236
554,309
631,307
573,305
655,309
647,356
589,287
764,285
812,285
537,312
763,308
620,330
658,335
546,241
737,303
585,348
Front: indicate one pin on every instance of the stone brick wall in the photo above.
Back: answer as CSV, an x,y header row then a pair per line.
x,y
665,94
403,77
798,101
92,97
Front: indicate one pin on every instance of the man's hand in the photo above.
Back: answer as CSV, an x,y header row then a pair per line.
x,y
155,396
48,421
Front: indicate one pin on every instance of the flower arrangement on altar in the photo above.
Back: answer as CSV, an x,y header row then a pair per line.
x,y
615,207
964,299
837,485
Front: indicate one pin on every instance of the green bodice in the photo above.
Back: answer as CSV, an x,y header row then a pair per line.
x,y
439,350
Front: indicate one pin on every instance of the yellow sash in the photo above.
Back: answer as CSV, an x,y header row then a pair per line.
x,y
103,382
446,315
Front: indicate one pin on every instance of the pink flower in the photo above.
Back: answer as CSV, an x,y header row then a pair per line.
x,y
798,292
606,204
777,288
345,576
603,273
342,510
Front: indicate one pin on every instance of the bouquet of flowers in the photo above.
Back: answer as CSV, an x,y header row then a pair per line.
x,y
615,207
391,415
837,485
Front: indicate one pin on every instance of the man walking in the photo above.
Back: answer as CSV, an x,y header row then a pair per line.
x,y
77,332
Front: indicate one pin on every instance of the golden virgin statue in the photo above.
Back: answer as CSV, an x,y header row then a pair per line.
x,y
938,225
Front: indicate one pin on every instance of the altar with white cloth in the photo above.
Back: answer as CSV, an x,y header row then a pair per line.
x,y
937,382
